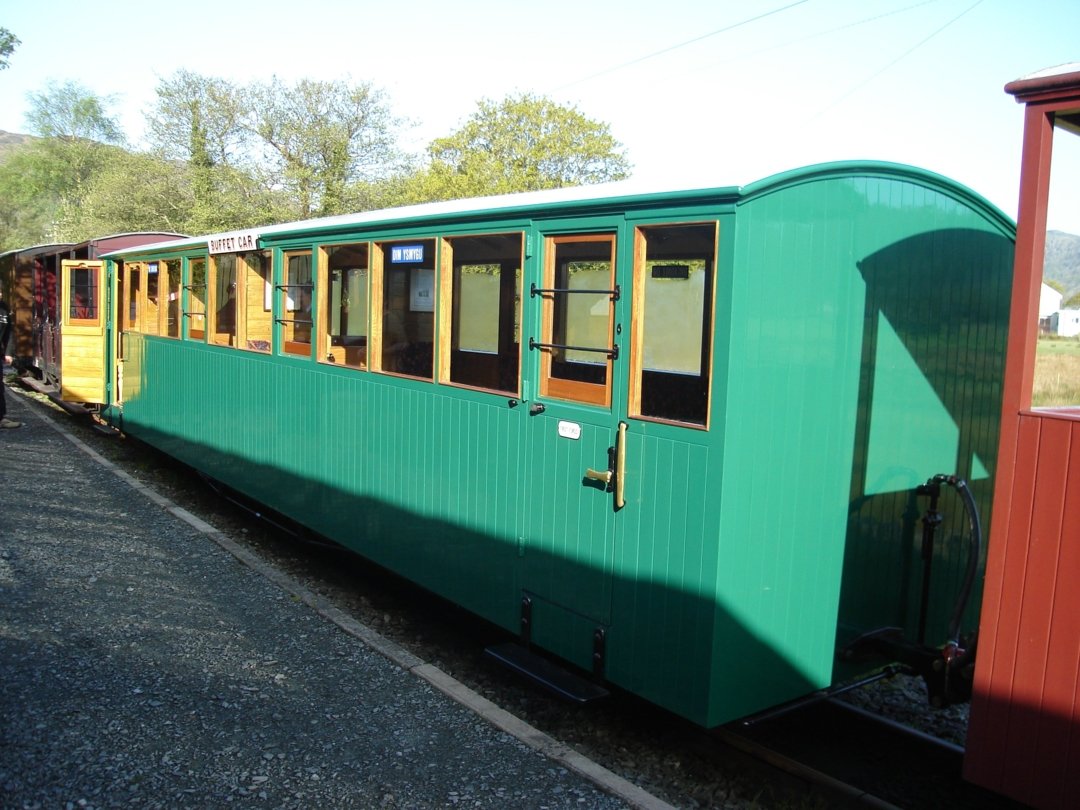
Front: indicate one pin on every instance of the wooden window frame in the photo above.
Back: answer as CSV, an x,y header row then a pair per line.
x,y
324,351
555,387
295,348
129,324
448,303
637,322
377,291
158,318
246,270
213,337
96,321
163,309
197,336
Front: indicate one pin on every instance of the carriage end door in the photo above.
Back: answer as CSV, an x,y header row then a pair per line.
x,y
82,331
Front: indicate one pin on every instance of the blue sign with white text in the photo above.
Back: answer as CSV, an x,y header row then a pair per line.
x,y
406,253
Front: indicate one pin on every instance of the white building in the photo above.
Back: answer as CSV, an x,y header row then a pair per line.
x,y
1065,323
1049,301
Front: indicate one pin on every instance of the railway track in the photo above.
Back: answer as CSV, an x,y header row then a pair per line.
x,y
862,758
825,754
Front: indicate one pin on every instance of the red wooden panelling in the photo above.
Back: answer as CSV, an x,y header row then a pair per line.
x,y
1024,736
987,744
1027,711
1059,741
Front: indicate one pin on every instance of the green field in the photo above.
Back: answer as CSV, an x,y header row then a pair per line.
x,y
1057,373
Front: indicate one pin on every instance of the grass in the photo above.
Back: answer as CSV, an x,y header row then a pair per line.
x,y
1057,372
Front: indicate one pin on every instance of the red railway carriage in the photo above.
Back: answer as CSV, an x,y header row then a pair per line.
x,y
1024,733
28,276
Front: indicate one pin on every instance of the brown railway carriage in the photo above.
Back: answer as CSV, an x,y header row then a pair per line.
x,y
29,277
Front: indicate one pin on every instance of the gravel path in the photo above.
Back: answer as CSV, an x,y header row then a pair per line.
x,y
144,665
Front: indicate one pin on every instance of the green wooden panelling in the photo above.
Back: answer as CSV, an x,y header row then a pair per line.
x,y
870,316
420,484
858,348
570,524
665,556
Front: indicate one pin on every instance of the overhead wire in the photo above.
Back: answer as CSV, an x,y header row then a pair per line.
x,y
851,91
679,45
817,34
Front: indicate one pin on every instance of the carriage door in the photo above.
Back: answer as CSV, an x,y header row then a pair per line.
x,y
574,428
82,331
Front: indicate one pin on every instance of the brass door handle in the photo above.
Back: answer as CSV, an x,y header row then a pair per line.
x,y
620,466
603,476
612,477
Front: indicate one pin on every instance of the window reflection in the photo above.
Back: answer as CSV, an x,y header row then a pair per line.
x,y
408,307
486,284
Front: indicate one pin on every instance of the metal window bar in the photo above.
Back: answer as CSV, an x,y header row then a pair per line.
x,y
187,313
613,352
535,291
309,285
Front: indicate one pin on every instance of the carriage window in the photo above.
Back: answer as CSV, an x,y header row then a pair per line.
x,y
223,273
195,313
483,274
132,320
672,322
257,323
578,310
151,322
295,313
407,307
345,323
83,305
170,280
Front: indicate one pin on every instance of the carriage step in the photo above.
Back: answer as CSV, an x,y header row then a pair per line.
x,y
549,675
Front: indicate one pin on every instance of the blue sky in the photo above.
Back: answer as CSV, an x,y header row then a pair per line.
x,y
700,92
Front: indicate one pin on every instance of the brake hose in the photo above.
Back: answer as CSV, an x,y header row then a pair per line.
x,y
960,485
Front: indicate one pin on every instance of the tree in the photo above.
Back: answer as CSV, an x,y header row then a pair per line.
x,y
524,143
313,148
76,138
8,43
324,138
134,192
143,192
30,189
72,112
201,122
77,133
200,119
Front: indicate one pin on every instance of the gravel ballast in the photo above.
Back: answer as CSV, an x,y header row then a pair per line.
x,y
144,665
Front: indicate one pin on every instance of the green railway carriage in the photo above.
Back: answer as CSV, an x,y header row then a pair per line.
x,y
673,438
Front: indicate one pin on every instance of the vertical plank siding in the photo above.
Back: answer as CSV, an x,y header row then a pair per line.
x,y
1023,739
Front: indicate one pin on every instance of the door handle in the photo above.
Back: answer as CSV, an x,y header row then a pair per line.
x,y
612,477
620,466
603,476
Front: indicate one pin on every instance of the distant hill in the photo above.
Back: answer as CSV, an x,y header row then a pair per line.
x,y
1063,261
9,140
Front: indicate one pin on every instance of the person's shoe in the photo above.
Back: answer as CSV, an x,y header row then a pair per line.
x,y
9,423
